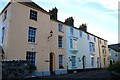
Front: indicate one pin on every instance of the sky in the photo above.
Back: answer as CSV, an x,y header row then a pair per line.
x,y
101,16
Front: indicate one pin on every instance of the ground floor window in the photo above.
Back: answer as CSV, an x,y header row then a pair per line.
x,y
61,61
92,61
31,57
73,61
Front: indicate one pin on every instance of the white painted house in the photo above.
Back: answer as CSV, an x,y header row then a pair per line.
x,y
82,50
114,50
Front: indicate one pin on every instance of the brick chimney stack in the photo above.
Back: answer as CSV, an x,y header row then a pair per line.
x,y
53,13
69,21
83,27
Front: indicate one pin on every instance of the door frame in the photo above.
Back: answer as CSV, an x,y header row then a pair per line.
x,y
52,63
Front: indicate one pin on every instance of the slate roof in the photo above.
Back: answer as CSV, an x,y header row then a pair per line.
x,y
115,47
35,6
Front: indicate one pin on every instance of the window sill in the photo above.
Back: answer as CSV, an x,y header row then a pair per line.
x,y
32,43
60,48
61,31
34,20
76,50
61,67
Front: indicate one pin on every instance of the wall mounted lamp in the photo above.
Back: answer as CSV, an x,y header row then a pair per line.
x,y
51,34
79,59
70,59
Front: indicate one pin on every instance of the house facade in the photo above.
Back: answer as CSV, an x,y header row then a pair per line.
x,y
114,53
28,35
82,50
104,53
51,46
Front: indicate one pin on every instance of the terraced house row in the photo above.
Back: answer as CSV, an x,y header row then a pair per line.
x,y
52,47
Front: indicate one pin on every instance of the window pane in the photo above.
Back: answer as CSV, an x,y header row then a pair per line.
x,y
60,41
71,31
71,43
92,61
33,15
73,61
30,56
60,27
32,34
60,61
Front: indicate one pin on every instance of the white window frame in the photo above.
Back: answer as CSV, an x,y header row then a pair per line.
x,y
92,47
60,27
32,34
80,33
33,15
60,42
73,58
61,61
71,31
31,57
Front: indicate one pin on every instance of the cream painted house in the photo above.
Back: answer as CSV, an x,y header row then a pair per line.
x,y
104,53
29,34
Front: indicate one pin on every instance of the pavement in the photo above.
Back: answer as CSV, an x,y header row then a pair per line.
x,y
86,75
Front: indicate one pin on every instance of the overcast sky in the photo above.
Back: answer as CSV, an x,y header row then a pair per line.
x,y
100,15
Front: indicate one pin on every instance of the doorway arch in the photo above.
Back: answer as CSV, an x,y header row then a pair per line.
x,y
52,63
84,62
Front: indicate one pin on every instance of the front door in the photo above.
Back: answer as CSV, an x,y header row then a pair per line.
x,y
51,63
83,60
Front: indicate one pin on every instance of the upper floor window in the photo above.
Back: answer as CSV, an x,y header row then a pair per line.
x,y
5,15
94,39
92,47
88,36
60,41
61,61
3,34
33,15
60,27
32,35
73,43
105,43
31,58
100,41
71,31
80,33
103,50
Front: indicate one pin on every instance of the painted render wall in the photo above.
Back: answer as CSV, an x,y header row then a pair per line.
x,y
54,46
82,50
113,56
18,44
95,54
102,56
